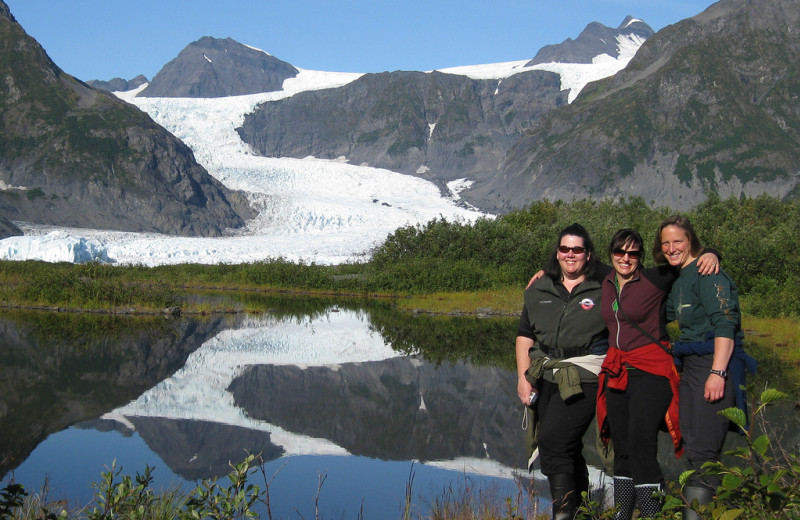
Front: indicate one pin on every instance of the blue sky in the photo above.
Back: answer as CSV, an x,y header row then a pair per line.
x,y
103,39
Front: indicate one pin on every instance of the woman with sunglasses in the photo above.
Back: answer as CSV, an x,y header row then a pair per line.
x,y
560,345
638,381
710,345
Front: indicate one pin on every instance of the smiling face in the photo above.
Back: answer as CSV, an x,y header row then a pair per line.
x,y
676,246
624,264
572,263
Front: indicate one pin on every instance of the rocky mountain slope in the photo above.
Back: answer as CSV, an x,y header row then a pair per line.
x,y
411,122
76,156
440,126
213,67
706,105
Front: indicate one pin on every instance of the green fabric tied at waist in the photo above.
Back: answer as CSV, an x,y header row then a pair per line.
x,y
567,377
565,374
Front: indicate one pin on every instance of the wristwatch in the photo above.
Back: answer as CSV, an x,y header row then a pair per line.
x,y
721,373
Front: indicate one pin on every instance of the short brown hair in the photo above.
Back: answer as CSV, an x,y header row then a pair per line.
x,y
624,236
683,223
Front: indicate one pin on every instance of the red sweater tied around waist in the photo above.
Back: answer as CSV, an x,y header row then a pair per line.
x,y
651,358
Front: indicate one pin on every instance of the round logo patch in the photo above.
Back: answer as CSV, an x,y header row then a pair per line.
x,y
587,303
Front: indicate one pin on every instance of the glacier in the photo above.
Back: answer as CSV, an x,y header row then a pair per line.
x,y
308,210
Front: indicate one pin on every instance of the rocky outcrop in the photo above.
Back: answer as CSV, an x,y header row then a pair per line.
x,y
596,39
8,229
76,156
118,84
212,67
707,105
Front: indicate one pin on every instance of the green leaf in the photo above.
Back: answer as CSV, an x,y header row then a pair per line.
x,y
770,394
761,444
731,481
730,514
685,477
735,415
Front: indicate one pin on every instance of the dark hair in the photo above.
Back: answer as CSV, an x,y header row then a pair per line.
x,y
552,267
626,236
684,224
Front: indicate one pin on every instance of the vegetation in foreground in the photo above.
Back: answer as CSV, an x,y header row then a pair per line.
x,y
763,482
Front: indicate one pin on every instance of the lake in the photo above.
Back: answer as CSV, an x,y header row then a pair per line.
x,y
339,399
348,402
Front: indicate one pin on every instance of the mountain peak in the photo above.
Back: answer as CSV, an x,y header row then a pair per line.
x,y
594,40
213,67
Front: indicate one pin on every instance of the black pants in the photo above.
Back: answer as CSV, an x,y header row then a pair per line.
x,y
561,429
635,416
703,429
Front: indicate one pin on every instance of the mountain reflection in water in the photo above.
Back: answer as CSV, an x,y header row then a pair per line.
x,y
319,384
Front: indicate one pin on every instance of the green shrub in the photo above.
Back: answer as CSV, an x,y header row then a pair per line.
x,y
767,483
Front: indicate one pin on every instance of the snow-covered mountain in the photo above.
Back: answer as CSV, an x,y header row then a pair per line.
x,y
325,211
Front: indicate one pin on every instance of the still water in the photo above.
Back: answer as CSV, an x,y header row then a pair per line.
x,y
347,403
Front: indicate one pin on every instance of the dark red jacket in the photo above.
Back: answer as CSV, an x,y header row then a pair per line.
x,y
643,301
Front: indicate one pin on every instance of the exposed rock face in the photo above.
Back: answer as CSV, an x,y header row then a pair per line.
x,y
707,105
595,40
118,84
211,67
410,122
440,126
8,229
76,156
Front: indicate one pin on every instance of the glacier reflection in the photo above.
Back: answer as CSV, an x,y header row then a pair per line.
x,y
315,394
330,385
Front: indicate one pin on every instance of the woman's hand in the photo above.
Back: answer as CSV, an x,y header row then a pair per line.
x,y
715,384
539,274
715,388
524,389
708,263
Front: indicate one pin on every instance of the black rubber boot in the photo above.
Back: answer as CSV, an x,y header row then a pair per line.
x,y
624,498
565,497
649,499
700,495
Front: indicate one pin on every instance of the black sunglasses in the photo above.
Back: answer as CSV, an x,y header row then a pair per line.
x,y
575,249
619,253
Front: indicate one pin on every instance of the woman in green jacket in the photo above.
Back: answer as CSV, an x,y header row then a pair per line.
x,y
708,315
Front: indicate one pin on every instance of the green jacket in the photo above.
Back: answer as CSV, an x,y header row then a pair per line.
x,y
704,304
563,328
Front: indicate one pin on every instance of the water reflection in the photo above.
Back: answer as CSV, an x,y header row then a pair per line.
x,y
58,369
350,389
332,385
397,409
289,384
